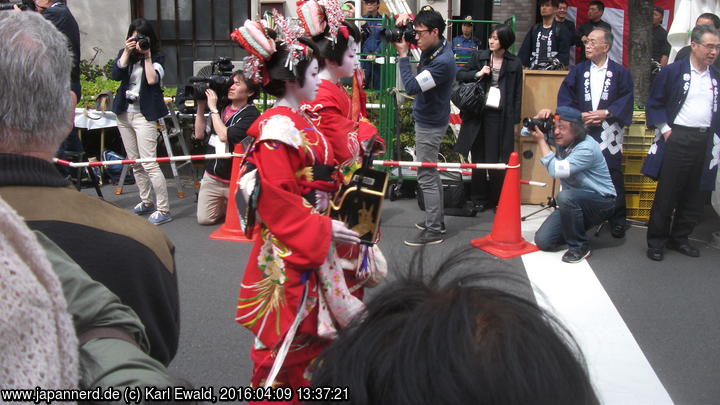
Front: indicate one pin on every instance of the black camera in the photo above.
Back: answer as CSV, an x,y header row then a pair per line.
x,y
220,80
23,5
398,33
544,125
142,41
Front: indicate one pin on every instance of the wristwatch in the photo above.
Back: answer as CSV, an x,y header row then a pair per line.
x,y
214,112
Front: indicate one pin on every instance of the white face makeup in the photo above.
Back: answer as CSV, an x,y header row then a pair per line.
x,y
349,60
312,81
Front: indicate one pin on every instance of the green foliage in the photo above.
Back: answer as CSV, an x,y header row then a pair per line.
x,y
91,88
91,71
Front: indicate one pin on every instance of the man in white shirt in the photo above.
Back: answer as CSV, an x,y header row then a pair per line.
x,y
683,107
603,91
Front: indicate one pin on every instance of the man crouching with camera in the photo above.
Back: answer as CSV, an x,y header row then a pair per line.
x,y
587,197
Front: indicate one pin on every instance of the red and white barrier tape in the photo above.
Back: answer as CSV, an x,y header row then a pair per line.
x,y
413,165
494,166
469,173
146,160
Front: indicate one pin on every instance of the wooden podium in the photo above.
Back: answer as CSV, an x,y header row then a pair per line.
x,y
540,89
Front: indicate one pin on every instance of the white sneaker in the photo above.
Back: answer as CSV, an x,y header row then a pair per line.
x,y
159,218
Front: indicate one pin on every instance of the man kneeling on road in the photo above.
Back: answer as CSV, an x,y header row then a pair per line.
x,y
587,197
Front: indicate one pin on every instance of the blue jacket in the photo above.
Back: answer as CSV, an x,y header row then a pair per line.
x,y
465,48
431,108
561,42
373,43
667,97
585,168
575,92
152,103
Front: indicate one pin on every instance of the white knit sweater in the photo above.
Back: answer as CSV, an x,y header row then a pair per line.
x,y
38,345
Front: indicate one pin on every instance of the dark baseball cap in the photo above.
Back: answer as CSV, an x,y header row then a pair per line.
x,y
469,20
569,114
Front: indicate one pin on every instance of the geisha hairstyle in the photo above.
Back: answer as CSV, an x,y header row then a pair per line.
x,y
334,51
279,74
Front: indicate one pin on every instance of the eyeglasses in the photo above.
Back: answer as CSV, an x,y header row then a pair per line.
x,y
592,42
715,47
419,32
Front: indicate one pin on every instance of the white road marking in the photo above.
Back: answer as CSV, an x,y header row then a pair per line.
x,y
618,368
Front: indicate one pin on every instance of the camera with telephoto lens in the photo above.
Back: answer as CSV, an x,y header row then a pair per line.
x,y
142,41
398,33
220,80
544,125
23,5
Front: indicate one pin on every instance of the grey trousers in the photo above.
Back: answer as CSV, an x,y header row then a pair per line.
x,y
427,148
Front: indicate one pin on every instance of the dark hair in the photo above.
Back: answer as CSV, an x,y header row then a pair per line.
x,y
505,35
252,87
455,337
279,74
334,51
554,3
710,16
143,27
565,2
658,9
697,33
431,19
598,3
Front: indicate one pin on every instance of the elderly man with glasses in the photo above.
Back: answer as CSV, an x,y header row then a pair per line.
x,y
603,91
683,107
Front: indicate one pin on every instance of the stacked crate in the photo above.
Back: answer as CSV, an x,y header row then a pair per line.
x,y
639,189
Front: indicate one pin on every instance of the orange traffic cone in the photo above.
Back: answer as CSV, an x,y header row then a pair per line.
x,y
506,241
231,230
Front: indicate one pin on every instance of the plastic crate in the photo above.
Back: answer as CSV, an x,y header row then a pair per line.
x,y
639,204
638,137
639,182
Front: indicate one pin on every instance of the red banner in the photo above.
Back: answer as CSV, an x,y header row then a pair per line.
x,y
616,14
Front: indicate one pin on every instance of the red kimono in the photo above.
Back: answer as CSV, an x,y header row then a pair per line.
x,y
291,156
332,113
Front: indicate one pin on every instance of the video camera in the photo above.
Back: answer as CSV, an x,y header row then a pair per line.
x,y
396,34
220,80
544,125
23,5
550,64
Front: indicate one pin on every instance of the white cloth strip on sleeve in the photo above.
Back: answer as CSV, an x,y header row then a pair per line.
x,y
562,169
158,67
425,80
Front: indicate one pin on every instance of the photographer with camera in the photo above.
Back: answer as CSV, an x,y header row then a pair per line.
x,y
431,108
229,122
587,197
139,104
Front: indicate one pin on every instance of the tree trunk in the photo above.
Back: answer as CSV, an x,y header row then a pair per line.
x,y
640,18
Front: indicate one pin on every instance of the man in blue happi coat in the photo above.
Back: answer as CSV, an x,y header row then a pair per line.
x,y
683,107
603,91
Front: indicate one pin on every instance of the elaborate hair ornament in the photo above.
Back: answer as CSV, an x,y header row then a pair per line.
x,y
334,16
312,16
290,32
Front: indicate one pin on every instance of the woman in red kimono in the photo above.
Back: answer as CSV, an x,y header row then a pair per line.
x,y
286,295
343,122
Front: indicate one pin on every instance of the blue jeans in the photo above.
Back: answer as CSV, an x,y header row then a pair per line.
x,y
578,211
